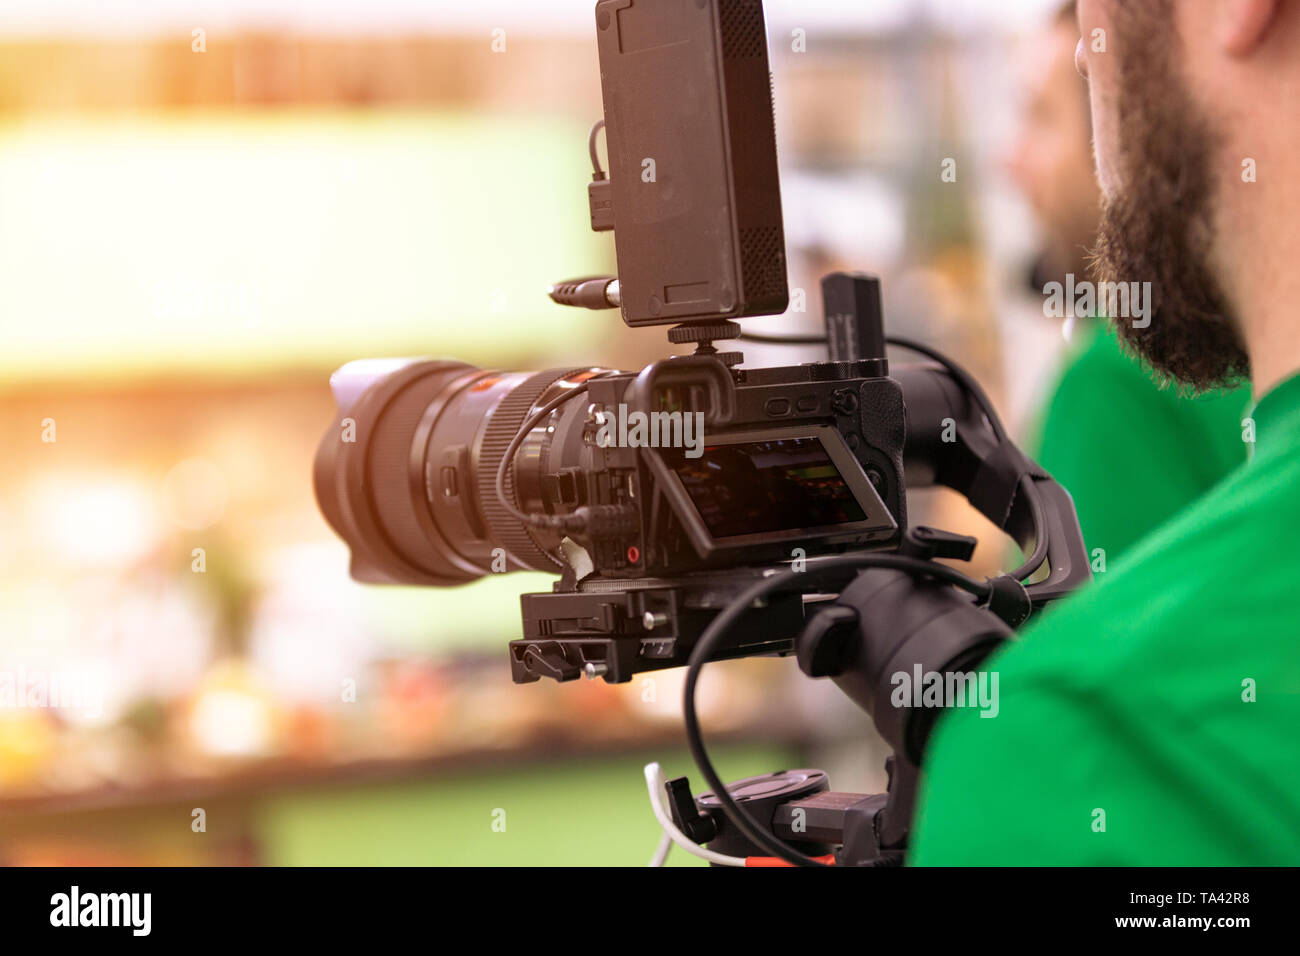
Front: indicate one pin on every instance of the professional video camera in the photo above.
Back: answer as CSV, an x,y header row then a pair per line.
x,y
697,510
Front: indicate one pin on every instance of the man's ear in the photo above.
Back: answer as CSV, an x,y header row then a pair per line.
x,y
1242,25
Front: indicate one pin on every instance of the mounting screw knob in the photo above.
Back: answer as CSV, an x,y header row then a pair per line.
x,y
703,332
821,645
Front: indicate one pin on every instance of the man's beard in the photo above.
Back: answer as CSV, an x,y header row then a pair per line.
x,y
1158,226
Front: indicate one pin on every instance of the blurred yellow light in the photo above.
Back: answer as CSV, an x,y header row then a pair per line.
x,y
27,741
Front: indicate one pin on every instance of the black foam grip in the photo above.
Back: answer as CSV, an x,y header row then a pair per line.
x,y
996,482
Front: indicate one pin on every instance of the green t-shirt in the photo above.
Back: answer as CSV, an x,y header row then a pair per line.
x,y
1132,455
1153,718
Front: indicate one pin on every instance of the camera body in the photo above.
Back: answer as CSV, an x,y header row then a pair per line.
x,y
695,465
792,462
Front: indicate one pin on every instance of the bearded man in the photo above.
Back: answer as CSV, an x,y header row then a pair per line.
x,y
1107,423
1152,719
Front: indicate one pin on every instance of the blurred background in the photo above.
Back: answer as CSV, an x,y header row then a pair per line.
x,y
207,207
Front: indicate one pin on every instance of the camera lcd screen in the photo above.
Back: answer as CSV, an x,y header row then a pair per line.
x,y
766,486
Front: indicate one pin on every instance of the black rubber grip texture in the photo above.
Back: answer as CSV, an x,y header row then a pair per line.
x,y
502,427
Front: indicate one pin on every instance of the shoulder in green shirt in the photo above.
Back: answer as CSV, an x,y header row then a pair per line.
x,y
1130,453
1154,718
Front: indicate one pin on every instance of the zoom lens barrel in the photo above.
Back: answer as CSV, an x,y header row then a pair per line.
x,y
406,474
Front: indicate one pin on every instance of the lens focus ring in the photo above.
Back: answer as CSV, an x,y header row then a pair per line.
x,y
501,429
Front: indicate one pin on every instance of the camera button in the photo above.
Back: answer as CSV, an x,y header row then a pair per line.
x,y
777,407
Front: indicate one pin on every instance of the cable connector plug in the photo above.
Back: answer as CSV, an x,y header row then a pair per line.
x,y
593,521
600,200
1009,600
592,292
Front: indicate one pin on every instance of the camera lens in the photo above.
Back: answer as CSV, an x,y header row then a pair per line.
x,y
406,474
